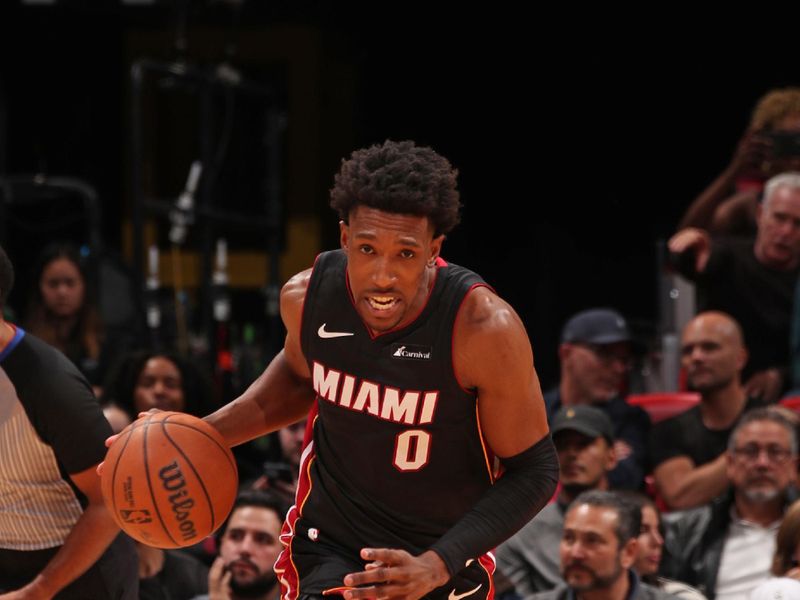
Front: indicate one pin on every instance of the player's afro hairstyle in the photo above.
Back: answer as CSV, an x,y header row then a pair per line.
x,y
6,278
401,178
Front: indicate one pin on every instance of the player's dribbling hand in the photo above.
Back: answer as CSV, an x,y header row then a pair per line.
x,y
396,574
110,440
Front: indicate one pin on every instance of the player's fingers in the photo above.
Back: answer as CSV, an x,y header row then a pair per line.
x,y
110,440
360,593
147,413
376,575
100,469
377,592
374,565
385,555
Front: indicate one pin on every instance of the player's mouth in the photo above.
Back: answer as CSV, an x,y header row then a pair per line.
x,y
382,303
383,307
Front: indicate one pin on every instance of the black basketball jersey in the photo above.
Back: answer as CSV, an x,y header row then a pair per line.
x,y
397,455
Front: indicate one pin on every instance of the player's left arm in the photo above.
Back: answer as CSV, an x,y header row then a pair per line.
x,y
90,536
492,355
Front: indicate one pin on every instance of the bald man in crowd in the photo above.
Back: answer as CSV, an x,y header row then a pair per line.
x,y
688,450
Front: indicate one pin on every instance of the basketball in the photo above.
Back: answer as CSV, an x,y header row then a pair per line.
x,y
169,480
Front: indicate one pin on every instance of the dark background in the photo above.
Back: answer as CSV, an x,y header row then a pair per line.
x,y
580,138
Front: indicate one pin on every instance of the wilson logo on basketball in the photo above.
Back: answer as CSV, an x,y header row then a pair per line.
x,y
173,481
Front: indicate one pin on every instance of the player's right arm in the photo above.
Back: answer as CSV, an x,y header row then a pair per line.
x,y
283,393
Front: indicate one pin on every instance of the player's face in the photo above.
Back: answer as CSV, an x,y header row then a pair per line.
x,y
651,543
584,461
778,239
389,265
591,557
62,287
761,466
250,545
710,355
159,386
597,371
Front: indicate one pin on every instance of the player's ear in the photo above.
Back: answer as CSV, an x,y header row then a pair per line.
x,y
344,232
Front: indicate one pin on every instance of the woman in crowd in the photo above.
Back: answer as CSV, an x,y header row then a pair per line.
x,y
61,310
143,380
651,544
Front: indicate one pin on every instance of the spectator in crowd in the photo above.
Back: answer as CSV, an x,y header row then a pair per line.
x,y
688,450
56,535
62,312
248,547
281,468
584,437
754,282
170,574
785,562
725,548
595,355
143,380
598,551
771,145
651,546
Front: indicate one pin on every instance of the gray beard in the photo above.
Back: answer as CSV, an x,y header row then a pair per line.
x,y
761,496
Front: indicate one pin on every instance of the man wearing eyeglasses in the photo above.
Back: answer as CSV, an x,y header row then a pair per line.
x,y
725,548
596,356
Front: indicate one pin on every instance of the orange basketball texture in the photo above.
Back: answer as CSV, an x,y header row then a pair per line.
x,y
169,480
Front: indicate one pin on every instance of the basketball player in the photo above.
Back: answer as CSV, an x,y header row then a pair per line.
x,y
417,376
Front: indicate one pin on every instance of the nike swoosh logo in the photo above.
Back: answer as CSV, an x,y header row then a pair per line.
x,y
454,596
331,334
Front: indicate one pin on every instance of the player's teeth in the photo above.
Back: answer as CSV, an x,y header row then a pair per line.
x,y
380,302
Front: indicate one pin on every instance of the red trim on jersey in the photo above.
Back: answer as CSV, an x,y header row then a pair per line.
x,y
397,327
284,568
440,262
488,455
303,308
489,565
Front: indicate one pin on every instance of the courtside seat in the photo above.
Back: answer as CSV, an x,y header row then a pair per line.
x,y
662,405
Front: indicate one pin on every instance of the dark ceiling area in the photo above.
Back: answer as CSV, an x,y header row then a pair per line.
x,y
578,146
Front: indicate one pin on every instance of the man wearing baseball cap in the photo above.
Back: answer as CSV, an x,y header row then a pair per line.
x,y
584,440
595,354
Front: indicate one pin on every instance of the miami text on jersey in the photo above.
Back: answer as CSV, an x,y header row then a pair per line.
x,y
409,407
